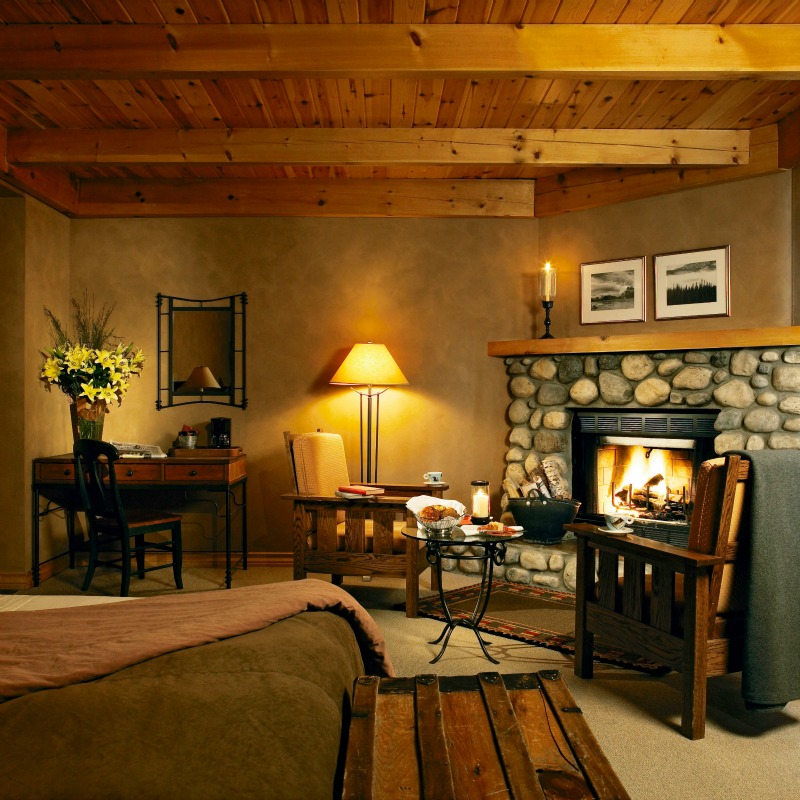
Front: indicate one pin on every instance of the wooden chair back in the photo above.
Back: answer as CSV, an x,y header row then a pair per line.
x,y
96,482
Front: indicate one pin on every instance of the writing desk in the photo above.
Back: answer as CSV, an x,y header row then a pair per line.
x,y
54,479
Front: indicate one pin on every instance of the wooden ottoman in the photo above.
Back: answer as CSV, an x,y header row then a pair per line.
x,y
476,736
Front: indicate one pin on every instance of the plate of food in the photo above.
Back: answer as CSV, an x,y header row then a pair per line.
x,y
495,528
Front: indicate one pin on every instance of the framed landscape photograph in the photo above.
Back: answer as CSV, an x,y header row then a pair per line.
x,y
694,283
613,291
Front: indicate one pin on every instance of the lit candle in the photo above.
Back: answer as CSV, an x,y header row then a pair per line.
x,y
547,283
480,504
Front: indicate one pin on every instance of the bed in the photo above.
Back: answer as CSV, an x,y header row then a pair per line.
x,y
242,693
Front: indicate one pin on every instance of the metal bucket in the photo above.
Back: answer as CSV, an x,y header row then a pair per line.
x,y
543,520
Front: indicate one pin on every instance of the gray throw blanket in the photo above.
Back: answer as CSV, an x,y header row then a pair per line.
x,y
771,671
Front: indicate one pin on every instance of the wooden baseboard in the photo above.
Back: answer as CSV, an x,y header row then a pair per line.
x,y
19,581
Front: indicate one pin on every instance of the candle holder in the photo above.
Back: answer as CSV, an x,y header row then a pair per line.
x,y
547,305
547,292
480,502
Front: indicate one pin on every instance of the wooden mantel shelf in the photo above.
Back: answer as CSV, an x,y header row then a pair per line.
x,y
651,342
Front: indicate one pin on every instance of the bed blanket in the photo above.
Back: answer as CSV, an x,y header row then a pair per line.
x,y
260,716
54,648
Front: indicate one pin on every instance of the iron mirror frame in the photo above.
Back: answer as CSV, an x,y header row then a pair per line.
x,y
232,396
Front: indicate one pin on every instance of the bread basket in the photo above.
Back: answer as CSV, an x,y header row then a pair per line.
x,y
416,504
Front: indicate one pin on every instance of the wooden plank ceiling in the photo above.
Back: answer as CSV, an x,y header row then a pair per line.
x,y
515,108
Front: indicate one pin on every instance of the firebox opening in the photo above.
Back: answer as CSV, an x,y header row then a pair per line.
x,y
651,479
643,462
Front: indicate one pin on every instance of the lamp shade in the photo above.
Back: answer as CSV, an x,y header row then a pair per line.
x,y
369,365
201,378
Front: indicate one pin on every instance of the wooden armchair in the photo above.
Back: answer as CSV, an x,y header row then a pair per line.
x,y
341,537
687,611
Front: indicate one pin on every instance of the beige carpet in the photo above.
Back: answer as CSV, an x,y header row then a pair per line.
x,y
745,756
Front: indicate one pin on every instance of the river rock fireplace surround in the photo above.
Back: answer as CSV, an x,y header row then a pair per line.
x,y
710,392
734,390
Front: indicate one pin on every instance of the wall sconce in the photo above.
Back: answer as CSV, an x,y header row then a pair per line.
x,y
547,292
371,367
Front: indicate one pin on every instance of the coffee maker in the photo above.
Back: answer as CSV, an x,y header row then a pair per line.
x,y
220,432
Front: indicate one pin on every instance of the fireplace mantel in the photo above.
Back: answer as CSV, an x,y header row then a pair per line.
x,y
651,342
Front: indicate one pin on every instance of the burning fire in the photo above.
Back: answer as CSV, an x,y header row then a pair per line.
x,y
642,488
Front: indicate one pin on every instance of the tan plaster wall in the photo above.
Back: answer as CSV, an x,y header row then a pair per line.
x,y
46,421
34,252
754,217
795,247
434,291
12,377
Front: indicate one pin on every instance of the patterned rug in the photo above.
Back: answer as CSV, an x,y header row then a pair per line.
x,y
531,614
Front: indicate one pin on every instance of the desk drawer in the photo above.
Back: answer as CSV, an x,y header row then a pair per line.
x,y
194,472
130,472
56,473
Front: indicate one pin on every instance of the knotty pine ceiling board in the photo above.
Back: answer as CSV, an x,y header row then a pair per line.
x,y
377,102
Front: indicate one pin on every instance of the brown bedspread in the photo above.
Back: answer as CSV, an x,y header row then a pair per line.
x,y
259,716
55,648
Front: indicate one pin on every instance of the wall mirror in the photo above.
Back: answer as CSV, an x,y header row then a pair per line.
x,y
201,350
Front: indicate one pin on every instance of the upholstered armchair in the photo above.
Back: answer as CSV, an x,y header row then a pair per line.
x,y
339,537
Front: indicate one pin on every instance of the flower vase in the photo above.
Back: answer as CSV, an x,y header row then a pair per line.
x,y
87,420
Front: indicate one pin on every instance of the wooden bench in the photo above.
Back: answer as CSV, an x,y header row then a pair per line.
x,y
488,735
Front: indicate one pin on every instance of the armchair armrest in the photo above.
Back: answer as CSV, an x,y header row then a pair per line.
x,y
676,559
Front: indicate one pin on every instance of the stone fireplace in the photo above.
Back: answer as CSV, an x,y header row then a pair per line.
x,y
736,389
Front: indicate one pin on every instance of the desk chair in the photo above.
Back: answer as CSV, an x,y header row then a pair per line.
x,y
350,537
688,612
111,526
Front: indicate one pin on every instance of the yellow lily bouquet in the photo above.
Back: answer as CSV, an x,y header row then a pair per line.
x,y
91,372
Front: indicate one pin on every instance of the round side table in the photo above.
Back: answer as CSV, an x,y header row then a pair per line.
x,y
492,552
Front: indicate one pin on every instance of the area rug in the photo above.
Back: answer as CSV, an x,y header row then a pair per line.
x,y
531,614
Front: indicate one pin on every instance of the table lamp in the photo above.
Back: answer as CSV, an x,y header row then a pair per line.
x,y
200,379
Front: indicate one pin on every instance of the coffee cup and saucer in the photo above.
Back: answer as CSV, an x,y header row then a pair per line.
x,y
617,524
432,478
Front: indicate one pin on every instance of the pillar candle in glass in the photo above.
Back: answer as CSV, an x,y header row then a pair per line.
x,y
480,502
547,283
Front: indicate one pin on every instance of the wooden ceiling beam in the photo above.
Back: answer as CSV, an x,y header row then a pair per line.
x,y
306,198
580,190
53,186
789,141
380,147
635,52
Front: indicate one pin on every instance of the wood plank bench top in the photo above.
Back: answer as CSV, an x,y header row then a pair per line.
x,y
436,737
